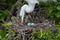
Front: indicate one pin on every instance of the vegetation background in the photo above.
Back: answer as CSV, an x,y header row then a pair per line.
x,y
52,13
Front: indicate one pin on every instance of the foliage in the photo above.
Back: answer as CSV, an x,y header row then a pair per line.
x,y
3,15
53,10
3,35
5,12
7,24
22,3
52,13
42,35
46,35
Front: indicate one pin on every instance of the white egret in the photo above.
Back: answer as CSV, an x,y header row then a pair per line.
x,y
30,7
27,8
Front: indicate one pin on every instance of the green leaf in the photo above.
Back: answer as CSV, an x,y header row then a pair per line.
x,y
2,0
3,14
2,33
7,24
57,14
58,7
33,38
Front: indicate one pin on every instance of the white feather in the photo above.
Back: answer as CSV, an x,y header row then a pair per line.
x,y
30,7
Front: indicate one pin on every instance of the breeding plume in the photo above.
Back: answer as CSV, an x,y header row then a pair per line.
x,y
30,7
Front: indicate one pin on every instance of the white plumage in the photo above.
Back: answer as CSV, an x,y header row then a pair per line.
x,y
30,7
27,8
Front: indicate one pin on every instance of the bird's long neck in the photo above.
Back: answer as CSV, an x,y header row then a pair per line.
x,y
22,13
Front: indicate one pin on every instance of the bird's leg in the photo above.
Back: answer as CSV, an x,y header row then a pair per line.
x,y
22,20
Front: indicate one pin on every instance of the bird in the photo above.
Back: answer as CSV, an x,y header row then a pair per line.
x,y
28,8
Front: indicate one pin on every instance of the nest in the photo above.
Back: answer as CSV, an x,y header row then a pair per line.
x,y
38,17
